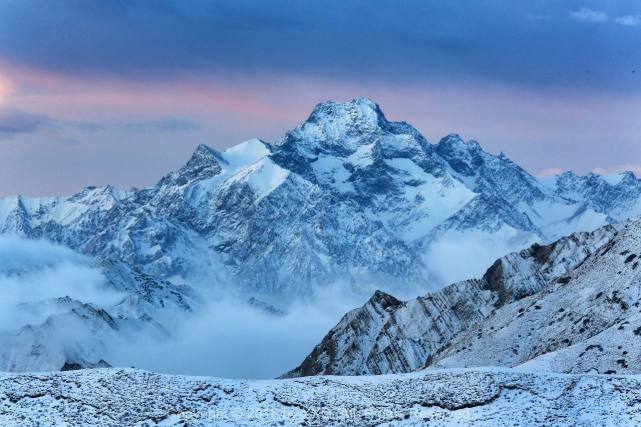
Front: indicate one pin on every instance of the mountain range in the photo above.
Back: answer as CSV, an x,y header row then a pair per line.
x,y
346,197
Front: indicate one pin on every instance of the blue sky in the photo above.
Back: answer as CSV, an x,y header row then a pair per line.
x,y
97,92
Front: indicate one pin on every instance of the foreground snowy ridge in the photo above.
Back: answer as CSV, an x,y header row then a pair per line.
x,y
485,397
571,307
391,336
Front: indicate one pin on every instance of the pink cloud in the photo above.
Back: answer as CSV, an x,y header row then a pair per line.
x,y
6,88
612,170
550,172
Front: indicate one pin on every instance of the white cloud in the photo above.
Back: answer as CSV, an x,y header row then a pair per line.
x,y
585,14
629,20
225,337
231,339
459,256
35,270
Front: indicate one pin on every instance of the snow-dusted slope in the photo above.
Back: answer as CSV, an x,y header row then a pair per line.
x,y
389,336
571,307
586,321
110,397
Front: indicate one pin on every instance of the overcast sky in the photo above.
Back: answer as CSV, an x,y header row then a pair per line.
x,y
120,92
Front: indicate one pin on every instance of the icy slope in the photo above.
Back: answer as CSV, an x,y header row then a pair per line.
x,y
490,397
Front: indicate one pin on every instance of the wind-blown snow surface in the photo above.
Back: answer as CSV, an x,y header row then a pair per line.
x,y
347,198
488,397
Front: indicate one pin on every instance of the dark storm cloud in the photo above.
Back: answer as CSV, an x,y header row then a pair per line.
x,y
14,122
534,44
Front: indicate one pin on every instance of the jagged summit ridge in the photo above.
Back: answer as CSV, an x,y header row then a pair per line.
x,y
204,163
343,128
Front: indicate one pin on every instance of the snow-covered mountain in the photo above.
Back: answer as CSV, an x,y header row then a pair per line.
x,y
480,397
572,307
346,197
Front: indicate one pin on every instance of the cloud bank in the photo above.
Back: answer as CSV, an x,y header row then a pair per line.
x,y
226,337
232,339
34,271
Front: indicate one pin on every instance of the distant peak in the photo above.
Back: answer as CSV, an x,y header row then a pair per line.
x,y
455,138
367,103
451,137
612,179
623,177
339,130
363,102
246,152
626,175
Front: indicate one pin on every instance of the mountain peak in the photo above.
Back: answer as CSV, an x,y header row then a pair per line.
x,y
204,163
624,177
361,114
568,178
383,300
463,156
454,143
206,153
336,129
